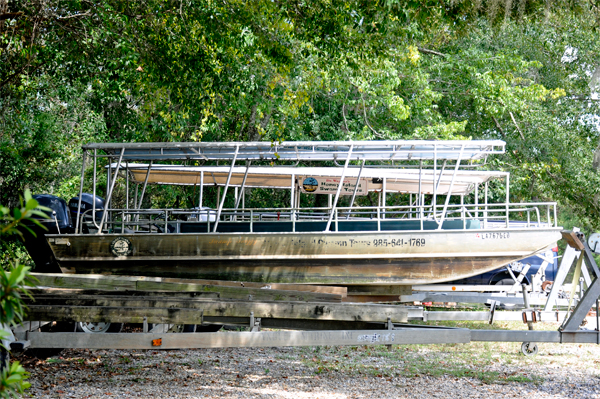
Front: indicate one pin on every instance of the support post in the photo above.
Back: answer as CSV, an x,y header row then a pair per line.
x,y
237,202
443,216
112,187
339,190
80,192
139,205
225,189
355,188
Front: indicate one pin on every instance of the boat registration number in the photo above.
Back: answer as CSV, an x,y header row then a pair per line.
x,y
401,242
493,236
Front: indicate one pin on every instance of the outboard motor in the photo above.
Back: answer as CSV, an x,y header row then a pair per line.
x,y
87,204
58,222
60,218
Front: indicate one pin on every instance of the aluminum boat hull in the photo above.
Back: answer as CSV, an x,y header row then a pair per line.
x,y
382,258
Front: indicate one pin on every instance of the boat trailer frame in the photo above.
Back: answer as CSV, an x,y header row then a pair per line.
x,y
319,329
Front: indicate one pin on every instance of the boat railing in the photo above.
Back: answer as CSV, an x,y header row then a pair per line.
x,y
427,217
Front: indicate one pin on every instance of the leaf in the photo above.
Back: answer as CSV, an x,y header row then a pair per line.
x,y
31,204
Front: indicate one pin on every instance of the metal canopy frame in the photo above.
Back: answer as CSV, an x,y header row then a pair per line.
x,y
304,150
441,168
415,166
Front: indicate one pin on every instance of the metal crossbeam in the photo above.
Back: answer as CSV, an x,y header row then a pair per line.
x,y
303,150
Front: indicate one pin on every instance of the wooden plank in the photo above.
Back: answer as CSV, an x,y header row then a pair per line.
x,y
324,289
571,238
372,298
124,312
96,281
181,285
250,294
126,281
37,293
378,290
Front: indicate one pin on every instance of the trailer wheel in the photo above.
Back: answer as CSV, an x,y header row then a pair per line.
x,y
88,327
529,349
188,328
200,328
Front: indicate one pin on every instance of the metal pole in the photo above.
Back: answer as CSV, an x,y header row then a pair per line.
x,y
139,205
383,196
339,190
508,200
476,201
436,186
201,190
225,189
112,187
293,201
485,217
526,303
443,216
80,192
94,190
237,202
356,187
434,199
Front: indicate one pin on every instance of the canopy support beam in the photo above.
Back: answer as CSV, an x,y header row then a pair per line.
x,y
112,187
339,190
225,190
443,216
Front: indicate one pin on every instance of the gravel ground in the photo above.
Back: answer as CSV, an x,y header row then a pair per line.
x,y
477,370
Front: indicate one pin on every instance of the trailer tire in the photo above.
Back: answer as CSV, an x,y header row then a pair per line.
x,y
188,328
529,349
207,328
505,281
96,328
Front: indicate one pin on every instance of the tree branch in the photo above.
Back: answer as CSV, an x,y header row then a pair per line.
x,y
367,120
9,15
432,52
344,115
85,14
498,126
517,126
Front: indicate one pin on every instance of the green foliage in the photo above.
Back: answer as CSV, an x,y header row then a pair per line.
x,y
13,381
115,70
13,283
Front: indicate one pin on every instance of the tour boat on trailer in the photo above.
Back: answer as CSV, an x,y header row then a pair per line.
x,y
429,219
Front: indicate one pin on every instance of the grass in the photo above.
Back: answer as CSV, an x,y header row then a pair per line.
x,y
481,361
450,360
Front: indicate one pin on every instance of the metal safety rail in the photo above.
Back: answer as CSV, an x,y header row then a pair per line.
x,y
492,216
413,154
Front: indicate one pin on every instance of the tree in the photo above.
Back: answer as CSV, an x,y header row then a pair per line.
x,y
113,70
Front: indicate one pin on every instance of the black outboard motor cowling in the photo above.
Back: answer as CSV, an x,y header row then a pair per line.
x,y
58,222
87,204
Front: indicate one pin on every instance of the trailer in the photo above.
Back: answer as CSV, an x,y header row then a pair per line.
x,y
300,315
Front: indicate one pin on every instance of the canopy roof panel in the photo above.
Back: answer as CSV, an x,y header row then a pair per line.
x,y
397,180
302,150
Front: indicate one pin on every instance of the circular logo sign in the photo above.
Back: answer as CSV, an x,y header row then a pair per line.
x,y
310,184
120,246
